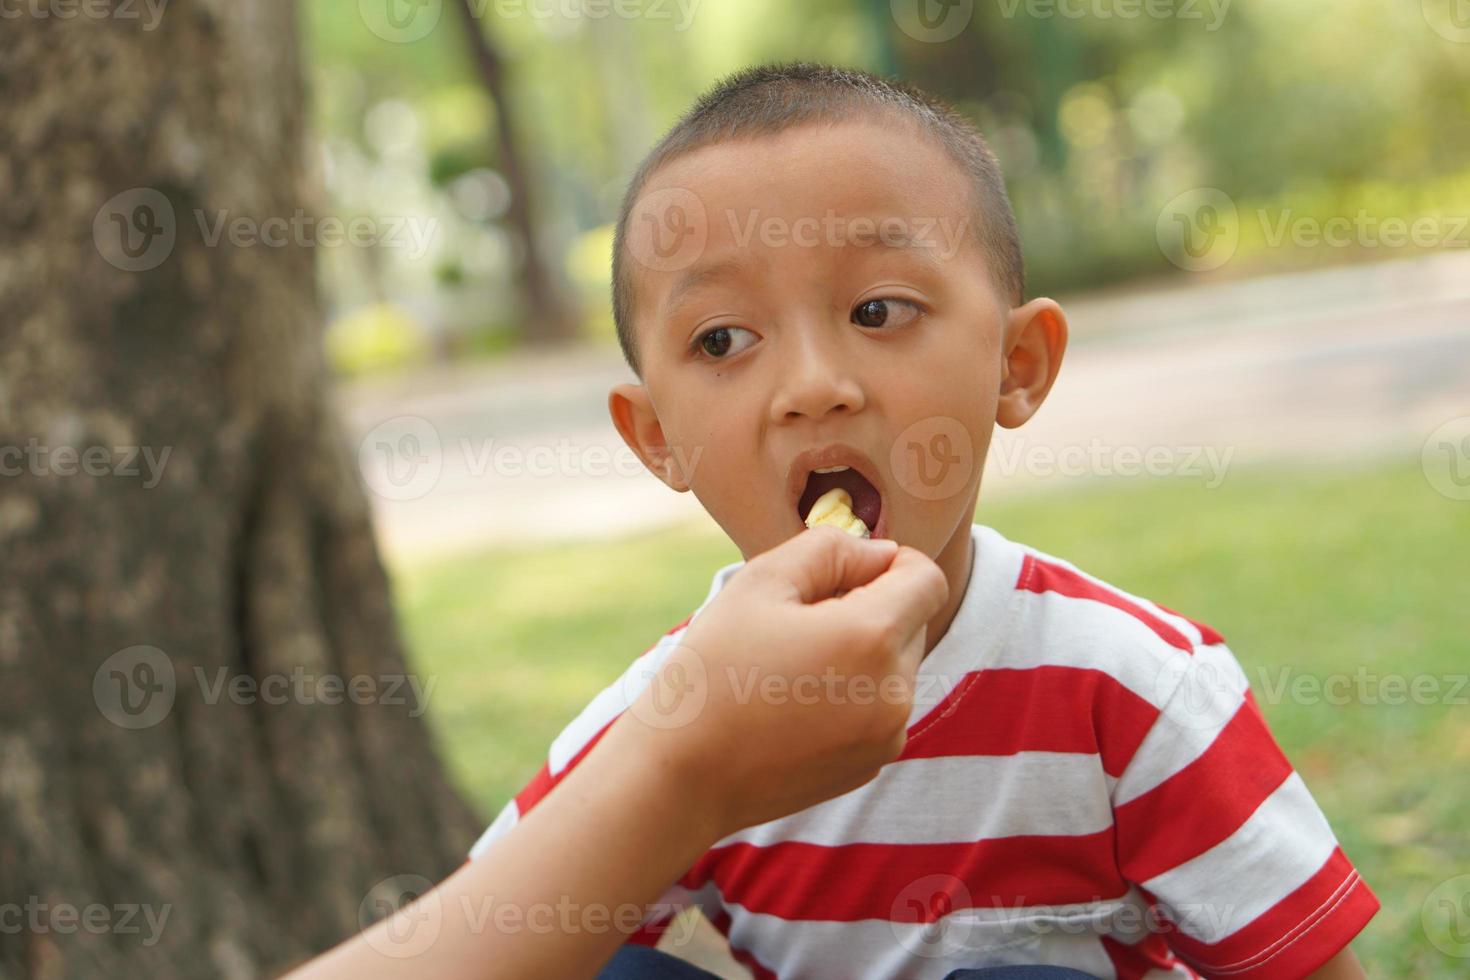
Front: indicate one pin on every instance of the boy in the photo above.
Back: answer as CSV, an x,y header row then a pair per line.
x,y
818,281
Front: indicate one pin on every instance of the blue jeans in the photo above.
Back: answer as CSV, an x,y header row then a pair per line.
x,y
646,963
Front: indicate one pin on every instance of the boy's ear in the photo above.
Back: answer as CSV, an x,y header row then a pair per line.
x,y
633,413
1031,355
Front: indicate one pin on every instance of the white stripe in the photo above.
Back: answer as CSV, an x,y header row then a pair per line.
x,y
964,799
1206,691
1060,631
1271,855
878,948
510,815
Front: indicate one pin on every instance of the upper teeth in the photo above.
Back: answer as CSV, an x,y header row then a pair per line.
x,y
831,469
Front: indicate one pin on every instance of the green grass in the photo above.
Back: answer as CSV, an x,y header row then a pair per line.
x,y
1308,574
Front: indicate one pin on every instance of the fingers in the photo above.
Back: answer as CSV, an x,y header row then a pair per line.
x,y
821,562
907,595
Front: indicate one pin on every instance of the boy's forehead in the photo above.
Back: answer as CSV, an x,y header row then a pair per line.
x,y
823,186
854,168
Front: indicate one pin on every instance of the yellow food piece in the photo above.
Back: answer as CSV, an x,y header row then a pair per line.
x,y
835,507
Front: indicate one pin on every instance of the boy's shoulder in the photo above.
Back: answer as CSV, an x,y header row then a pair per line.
x,y
1025,609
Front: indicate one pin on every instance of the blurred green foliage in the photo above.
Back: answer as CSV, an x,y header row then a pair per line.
x,y
1313,108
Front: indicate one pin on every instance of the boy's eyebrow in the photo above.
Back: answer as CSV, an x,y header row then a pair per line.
x,y
696,276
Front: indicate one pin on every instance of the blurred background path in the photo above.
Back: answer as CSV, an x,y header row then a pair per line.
x,y
1315,365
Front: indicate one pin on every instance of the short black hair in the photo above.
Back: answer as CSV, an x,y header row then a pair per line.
x,y
770,99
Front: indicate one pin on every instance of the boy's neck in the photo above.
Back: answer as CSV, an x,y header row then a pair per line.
x,y
957,561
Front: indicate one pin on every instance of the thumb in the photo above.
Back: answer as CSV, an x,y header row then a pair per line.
x,y
822,562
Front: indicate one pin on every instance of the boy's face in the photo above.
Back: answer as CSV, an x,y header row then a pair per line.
x,y
821,288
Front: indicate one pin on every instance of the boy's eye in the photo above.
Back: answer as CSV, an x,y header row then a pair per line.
x,y
884,312
718,343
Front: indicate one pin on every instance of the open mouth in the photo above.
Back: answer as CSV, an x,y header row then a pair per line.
x,y
867,502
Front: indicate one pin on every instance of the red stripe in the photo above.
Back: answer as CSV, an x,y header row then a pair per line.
x,y
1296,935
1202,804
649,934
1208,637
1036,709
1134,962
1043,576
800,881
544,782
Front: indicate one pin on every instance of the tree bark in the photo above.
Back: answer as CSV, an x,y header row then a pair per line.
x,y
255,825
548,317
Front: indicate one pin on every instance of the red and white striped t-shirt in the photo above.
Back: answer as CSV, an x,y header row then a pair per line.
x,y
1087,783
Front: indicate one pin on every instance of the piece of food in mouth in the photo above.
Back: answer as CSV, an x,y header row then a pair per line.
x,y
860,497
835,508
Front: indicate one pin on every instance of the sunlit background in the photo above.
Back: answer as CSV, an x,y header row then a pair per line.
x,y
1254,212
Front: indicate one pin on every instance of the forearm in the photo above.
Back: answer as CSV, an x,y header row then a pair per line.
x,y
558,895
1343,966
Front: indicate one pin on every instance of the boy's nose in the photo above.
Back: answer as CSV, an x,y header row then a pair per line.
x,y
813,382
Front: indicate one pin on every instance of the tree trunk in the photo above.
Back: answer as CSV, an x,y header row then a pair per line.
x,y
178,511
549,318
